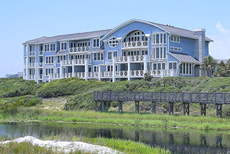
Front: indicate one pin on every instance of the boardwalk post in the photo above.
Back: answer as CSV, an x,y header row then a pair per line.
x,y
219,110
120,107
203,109
153,107
186,108
107,106
137,107
95,106
171,105
103,106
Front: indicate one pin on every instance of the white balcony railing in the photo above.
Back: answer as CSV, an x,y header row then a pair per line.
x,y
137,73
80,74
31,53
132,58
121,73
31,76
40,53
31,65
55,76
106,74
40,77
67,75
40,64
135,44
93,74
79,49
75,62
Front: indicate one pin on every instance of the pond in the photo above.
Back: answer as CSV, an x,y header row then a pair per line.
x,y
176,140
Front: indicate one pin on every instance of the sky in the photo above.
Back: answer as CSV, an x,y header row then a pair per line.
x,y
22,20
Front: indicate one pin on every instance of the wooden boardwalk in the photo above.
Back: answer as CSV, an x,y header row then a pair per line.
x,y
105,97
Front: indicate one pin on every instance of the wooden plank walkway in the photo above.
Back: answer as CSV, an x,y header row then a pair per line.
x,y
186,98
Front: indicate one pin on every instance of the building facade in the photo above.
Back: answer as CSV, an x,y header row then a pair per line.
x,y
125,52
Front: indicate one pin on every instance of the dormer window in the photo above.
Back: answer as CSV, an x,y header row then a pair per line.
x,y
175,39
63,46
96,43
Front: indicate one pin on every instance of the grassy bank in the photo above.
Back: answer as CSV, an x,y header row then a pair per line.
x,y
111,118
128,147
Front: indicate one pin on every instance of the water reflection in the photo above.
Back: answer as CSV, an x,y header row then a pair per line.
x,y
177,141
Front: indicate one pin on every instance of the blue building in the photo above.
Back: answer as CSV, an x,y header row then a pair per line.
x,y
125,52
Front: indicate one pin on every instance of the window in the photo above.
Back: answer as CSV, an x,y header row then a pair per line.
x,y
113,42
52,47
175,49
110,55
95,68
172,65
175,39
186,69
46,47
159,38
32,47
109,68
158,66
98,56
159,52
63,46
49,60
96,43
49,71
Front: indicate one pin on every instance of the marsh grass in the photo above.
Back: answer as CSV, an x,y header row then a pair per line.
x,y
112,118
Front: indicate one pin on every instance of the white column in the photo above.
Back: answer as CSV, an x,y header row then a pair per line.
x,y
99,72
87,68
73,70
114,69
61,70
128,67
27,61
145,64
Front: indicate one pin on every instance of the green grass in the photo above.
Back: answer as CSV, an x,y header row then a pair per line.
x,y
111,118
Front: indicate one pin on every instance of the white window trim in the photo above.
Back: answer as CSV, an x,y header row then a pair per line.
x,y
173,48
50,49
49,58
44,47
190,66
113,43
112,51
154,38
61,46
160,48
172,65
93,42
161,65
176,38
97,68
100,56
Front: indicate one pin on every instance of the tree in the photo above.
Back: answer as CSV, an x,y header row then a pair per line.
x,y
221,70
209,65
147,77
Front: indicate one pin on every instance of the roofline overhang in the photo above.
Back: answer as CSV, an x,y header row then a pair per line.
x,y
128,22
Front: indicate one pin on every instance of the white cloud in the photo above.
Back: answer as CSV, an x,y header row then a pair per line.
x,y
220,48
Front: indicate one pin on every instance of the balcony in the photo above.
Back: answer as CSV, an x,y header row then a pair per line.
x,y
55,76
40,64
121,73
31,53
75,62
135,44
31,65
137,58
80,74
40,53
93,74
67,75
40,77
106,74
31,76
162,73
79,49
139,73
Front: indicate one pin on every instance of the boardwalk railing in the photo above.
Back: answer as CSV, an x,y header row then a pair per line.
x,y
163,97
207,98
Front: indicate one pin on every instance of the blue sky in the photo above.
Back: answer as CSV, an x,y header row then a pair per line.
x,y
22,20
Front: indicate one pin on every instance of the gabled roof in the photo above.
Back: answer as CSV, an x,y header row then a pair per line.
x,y
183,58
75,36
86,35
